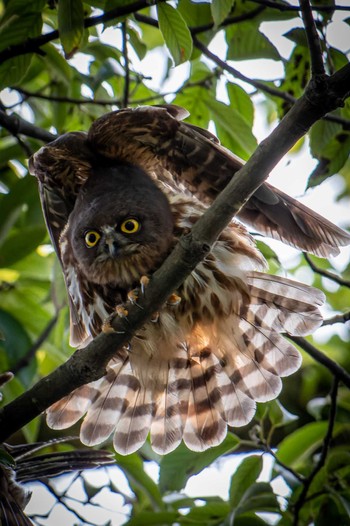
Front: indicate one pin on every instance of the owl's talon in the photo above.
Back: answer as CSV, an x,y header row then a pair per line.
x,y
107,325
144,281
133,296
121,311
173,300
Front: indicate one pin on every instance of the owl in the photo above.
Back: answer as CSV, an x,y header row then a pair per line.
x,y
116,201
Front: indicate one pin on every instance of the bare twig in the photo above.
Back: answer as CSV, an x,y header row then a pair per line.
x,y
326,273
321,462
338,318
126,66
24,361
285,7
338,371
317,66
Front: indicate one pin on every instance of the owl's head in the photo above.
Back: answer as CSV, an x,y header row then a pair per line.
x,y
121,226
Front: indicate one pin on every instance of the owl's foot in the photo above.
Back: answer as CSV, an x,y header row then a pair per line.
x,y
120,312
173,300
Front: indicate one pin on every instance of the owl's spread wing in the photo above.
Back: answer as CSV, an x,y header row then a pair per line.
x,y
156,137
61,168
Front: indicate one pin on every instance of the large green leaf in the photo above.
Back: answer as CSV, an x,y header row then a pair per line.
x,y
245,475
177,467
176,34
220,9
298,447
70,25
20,243
232,129
245,42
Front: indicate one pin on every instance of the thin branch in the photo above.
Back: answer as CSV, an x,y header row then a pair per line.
x,y
338,318
33,45
339,372
89,364
16,125
325,448
126,66
317,66
326,273
261,85
24,361
290,470
285,7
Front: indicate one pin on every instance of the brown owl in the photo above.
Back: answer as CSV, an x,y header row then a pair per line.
x,y
116,201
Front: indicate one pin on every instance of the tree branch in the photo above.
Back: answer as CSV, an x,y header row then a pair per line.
x,y
16,125
321,462
33,45
126,66
338,371
89,364
285,7
317,66
326,273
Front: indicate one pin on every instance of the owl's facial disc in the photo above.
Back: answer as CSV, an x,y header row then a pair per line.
x,y
113,242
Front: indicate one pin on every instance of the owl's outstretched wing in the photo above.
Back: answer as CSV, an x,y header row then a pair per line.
x,y
156,138
61,168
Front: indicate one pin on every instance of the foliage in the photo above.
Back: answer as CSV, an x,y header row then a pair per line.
x,y
58,84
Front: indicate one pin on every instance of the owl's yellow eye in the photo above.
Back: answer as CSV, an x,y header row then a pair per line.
x,y
130,226
91,238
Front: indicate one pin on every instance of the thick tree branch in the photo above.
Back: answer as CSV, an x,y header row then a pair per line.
x,y
89,364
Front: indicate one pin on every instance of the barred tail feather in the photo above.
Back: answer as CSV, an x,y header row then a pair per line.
x,y
172,406
205,426
190,386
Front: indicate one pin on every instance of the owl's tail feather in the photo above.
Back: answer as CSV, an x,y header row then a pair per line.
x,y
197,388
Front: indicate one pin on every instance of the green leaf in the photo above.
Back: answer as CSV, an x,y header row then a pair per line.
x,y
70,25
298,447
233,130
177,467
20,243
175,32
258,497
211,513
220,10
333,157
15,342
245,42
148,518
245,475
241,101
133,467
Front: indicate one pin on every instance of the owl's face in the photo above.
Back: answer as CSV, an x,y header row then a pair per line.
x,y
121,227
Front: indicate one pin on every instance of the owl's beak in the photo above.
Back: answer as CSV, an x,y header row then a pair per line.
x,y
111,247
